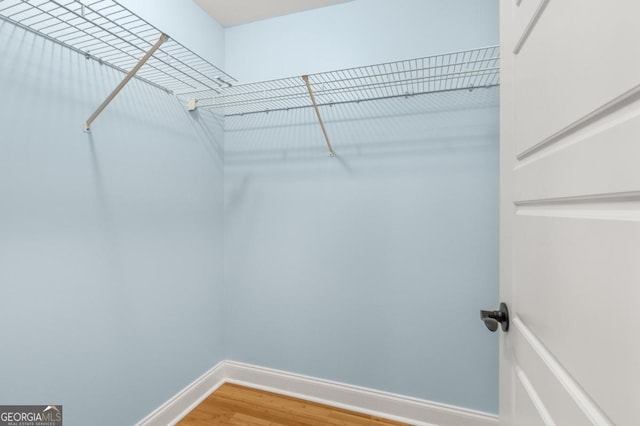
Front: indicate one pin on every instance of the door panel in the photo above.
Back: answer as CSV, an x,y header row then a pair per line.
x,y
577,292
526,17
601,158
571,64
545,381
529,413
570,212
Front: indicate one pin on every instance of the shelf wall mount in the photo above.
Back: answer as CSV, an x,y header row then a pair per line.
x,y
315,107
163,37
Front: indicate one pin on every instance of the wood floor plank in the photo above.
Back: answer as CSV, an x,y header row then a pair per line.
x,y
242,406
239,419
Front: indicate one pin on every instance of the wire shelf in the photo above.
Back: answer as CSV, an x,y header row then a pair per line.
x,y
105,31
467,69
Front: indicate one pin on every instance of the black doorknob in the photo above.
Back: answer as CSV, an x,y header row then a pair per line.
x,y
493,318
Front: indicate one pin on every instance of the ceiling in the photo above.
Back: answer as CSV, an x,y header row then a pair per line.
x,y
236,12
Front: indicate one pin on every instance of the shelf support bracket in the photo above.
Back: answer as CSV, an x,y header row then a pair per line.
x,y
163,37
315,107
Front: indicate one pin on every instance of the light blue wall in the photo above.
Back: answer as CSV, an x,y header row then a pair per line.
x,y
369,268
360,32
110,243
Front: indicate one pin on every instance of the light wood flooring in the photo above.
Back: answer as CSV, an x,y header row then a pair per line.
x,y
241,406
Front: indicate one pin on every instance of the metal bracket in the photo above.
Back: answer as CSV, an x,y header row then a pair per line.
x,y
315,107
163,37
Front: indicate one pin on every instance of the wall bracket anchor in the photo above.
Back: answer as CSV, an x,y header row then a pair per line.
x,y
87,125
315,107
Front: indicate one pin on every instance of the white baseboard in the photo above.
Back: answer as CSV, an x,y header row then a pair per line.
x,y
172,411
382,404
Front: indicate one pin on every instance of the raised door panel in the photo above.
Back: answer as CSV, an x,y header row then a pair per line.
x,y
601,158
526,17
553,391
571,65
578,295
529,413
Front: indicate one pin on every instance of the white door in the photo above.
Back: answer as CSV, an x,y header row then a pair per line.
x,y
570,212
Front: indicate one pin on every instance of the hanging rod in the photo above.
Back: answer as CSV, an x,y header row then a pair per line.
x,y
463,70
315,107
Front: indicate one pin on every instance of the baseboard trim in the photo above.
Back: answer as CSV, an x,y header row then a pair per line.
x,y
382,404
181,404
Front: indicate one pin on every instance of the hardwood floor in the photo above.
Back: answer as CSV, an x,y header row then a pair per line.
x,y
242,406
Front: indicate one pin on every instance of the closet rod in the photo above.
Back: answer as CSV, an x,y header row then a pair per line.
x,y
315,107
163,37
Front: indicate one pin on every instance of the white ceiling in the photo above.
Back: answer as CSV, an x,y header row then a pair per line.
x,y
235,12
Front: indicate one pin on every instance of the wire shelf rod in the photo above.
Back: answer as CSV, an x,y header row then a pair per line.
x,y
85,54
335,102
341,94
237,114
188,72
346,80
238,100
105,31
405,95
438,73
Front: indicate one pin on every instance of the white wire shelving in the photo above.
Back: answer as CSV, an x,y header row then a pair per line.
x,y
105,31
109,33
464,70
